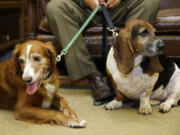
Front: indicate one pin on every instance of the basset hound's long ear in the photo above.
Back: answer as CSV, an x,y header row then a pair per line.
x,y
123,52
155,64
15,59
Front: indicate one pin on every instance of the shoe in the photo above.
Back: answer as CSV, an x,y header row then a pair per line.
x,y
100,89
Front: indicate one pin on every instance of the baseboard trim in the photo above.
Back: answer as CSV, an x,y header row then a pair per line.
x,y
65,81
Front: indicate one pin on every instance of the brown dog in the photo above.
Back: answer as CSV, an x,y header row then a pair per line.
x,y
29,84
138,72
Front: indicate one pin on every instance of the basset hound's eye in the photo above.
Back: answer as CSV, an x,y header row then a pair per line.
x,y
21,60
144,33
36,58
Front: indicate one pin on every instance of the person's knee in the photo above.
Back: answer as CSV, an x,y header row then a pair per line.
x,y
50,8
151,5
55,6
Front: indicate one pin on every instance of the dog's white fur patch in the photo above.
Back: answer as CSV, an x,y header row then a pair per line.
x,y
28,70
145,107
46,103
75,124
114,104
50,89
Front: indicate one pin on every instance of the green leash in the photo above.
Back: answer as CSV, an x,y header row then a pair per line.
x,y
65,50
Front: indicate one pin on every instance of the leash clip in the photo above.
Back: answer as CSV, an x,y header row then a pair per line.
x,y
113,30
58,58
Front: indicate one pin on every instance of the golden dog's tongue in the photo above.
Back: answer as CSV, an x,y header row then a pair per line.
x,y
31,89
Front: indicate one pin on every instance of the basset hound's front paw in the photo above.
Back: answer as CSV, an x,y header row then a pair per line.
x,y
164,107
145,109
113,105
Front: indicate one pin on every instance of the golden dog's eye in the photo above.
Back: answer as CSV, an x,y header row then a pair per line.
x,y
36,58
144,33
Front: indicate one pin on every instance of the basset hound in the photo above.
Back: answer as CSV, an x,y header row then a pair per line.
x,y
139,71
29,84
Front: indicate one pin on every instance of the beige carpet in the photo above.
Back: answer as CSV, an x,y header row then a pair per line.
x,y
100,122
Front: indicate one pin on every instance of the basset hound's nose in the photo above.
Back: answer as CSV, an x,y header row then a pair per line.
x,y
27,80
160,45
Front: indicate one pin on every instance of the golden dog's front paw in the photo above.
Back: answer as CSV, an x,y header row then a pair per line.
x,y
76,123
164,107
145,109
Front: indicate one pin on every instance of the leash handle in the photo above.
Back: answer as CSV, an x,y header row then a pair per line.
x,y
107,16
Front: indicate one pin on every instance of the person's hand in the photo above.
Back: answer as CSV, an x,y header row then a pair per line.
x,y
112,3
103,2
93,3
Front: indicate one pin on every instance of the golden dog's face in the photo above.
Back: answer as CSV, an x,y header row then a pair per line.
x,y
137,38
34,60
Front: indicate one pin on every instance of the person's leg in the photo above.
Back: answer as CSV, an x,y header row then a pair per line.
x,y
144,10
65,18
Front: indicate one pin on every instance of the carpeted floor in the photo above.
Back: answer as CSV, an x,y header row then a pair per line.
x,y
100,122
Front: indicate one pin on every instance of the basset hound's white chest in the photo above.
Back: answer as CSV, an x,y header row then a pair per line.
x,y
132,84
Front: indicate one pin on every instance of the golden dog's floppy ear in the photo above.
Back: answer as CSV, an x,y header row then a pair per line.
x,y
51,50
123,52
52,56
15,59
51,47
155,64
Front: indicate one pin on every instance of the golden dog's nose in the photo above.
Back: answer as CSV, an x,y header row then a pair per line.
x,y
27,80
